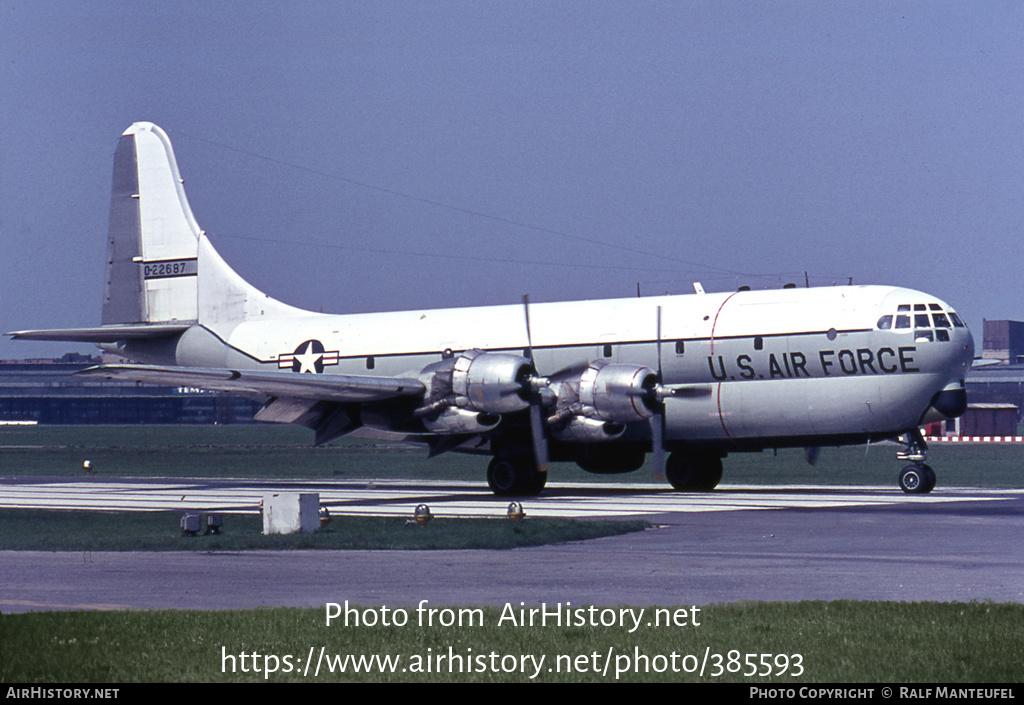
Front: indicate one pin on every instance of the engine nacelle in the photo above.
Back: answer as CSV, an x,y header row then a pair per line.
x,y
580,429
479,381
616,392
455,420
491,382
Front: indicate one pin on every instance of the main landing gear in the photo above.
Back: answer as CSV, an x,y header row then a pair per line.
x,y
918,477
515,476
693,473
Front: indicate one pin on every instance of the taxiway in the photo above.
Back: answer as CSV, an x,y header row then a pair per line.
x,y
737,543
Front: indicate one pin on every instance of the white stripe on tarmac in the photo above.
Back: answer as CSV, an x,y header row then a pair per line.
x,y
449,499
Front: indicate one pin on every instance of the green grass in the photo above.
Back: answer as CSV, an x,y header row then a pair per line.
x,y
282,451
43,530
837,642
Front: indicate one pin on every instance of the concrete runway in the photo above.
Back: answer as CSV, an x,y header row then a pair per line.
x,y
737,543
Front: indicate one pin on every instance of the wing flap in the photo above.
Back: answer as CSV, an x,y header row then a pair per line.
x,y
324,387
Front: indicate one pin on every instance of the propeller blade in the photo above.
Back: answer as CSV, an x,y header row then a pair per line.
x,y
529,335
538,437
658,445
690,391
540,441
657,421
659,377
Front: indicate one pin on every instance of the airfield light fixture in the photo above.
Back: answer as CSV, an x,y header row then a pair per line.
x,y
515,511
422,515
325,516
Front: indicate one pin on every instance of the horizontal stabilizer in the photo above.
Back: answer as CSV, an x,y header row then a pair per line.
x,y
104,334
340,388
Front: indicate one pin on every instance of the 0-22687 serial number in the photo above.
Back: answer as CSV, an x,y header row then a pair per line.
x,y
175,268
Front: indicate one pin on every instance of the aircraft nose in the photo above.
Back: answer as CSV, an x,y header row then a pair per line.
x,y
951,402
967,358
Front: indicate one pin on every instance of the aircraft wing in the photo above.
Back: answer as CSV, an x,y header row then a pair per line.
x,y
312,387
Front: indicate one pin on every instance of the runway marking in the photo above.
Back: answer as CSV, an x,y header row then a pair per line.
x,y
62,606
455,499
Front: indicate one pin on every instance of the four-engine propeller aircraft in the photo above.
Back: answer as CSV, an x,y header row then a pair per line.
x,y
599,383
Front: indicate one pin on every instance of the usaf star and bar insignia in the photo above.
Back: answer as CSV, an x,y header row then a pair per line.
x,y
310,357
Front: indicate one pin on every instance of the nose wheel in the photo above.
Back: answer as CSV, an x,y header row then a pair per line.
x,y
917,479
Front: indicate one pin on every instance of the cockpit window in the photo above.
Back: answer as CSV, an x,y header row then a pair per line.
x,y
926,326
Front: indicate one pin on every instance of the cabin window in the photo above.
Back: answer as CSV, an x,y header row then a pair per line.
x,y
923,336
903,307
940,320
921,320
370,364
679,347
758,343
957,323
885,323
942,335
903,321
607,351
920,307
934,307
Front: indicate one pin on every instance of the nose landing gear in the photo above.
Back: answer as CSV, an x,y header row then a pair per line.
x,y
918,477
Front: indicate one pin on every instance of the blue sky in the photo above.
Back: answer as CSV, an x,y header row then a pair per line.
x,y
360,156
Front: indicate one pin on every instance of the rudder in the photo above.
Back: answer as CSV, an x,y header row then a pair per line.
x,y
152,245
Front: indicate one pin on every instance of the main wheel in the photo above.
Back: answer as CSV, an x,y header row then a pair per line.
x,y
693,473
515,476
917,479
929,476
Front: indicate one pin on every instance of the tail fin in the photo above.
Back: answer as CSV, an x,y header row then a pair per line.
x,y
161,268
153,241
163,275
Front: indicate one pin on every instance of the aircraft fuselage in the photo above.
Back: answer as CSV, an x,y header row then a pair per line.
x,y
789,364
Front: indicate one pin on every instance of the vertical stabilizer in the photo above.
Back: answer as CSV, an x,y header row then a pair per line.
x,y
152,245
161,268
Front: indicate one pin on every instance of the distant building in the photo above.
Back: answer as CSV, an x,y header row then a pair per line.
x,y
1003,341
996,384
48,392
989,420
